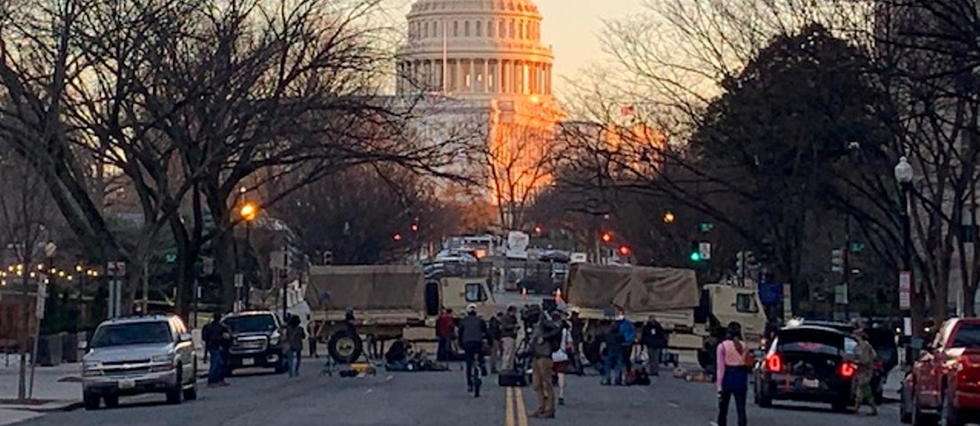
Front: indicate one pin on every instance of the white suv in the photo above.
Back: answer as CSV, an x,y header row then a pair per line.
x,y
135,355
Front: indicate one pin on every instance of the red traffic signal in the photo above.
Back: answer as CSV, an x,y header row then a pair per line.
x,y
396,237
625,250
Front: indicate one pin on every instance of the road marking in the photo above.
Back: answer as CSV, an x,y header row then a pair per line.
x,y
521,409
509,411
673,404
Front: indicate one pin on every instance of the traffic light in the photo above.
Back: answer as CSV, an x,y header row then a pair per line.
x,y
696,255
625,250
837,260
669,217
396,237
607,237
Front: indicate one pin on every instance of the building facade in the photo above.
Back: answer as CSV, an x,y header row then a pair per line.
x,y
483,72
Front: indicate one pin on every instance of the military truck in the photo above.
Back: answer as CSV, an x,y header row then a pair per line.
x,y
670,295
387,302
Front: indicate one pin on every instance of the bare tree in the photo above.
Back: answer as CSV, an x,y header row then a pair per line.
x,y
25,212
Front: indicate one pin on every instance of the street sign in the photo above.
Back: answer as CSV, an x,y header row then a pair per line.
x,y
115,299
42,296
705,249
207,266
239,280
116,269
905,290
840,294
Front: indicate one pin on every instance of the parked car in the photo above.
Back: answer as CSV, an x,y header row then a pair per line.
x,y
885,344
136,355
807,363
255,341
944,383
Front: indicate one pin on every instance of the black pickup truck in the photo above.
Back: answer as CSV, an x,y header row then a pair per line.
x,y
255,341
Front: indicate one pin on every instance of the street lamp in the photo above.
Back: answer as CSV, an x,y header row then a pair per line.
x,y
904,175
248,212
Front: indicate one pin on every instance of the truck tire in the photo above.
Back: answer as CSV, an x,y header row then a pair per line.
x,y
91,400
345,347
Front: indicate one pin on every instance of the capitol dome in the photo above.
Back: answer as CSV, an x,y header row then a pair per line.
x,y
475,49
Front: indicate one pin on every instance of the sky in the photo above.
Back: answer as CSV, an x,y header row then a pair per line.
x,y
571,27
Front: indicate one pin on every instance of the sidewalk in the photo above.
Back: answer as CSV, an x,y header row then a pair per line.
x,y
55,388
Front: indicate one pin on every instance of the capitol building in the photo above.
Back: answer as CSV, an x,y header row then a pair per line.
x,y
482,62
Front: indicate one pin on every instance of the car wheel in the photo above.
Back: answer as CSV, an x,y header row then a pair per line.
x,y
90,400
345,347
111,401
918,417
190,393
176,394
949,416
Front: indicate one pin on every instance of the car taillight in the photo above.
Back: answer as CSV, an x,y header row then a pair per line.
x,y
847,370
774,363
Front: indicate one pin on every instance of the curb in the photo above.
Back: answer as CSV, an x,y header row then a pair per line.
x,y
46,408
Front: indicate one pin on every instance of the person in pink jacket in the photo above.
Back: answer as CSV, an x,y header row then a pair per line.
x,y
732,378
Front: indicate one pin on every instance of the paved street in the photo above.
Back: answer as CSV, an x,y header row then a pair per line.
x,y
439,399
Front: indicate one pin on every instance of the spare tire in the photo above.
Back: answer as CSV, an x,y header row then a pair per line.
x,y
345,347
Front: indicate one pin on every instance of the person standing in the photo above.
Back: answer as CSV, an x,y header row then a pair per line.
x,y
560,358
628,331
217,339
578,334
508,337
472,333
612,371
494,338
294,344
654,338
732,377
311,339
545,339
444,332
865,360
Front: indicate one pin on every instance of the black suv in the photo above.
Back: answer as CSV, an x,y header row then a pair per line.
x,y
255,341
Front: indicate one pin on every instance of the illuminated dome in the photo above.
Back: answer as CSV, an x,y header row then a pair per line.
x,y
484,48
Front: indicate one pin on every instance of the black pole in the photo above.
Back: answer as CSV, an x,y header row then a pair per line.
x,y
285,280
907,266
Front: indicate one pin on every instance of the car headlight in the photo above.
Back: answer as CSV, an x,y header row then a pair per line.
x,y
162,358
274,339
91,365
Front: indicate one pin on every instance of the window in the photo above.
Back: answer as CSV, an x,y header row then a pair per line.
x,y
135,333
426,27
251,323
489,28
466,29
745,303
479,29
474,293
967,336
511,33
503,30
455,28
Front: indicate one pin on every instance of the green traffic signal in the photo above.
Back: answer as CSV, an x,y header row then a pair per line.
x,y
695,257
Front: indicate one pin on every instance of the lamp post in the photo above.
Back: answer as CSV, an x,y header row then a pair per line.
x,y
248,212
904,175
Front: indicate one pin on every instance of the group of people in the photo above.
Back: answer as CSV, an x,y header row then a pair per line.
x,y
623,345
217,337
